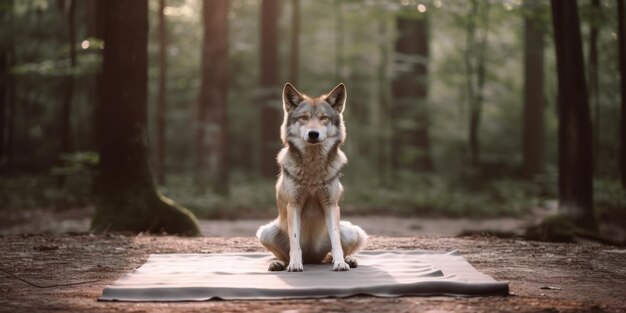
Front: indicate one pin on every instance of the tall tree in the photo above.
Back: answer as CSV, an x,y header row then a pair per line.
x,y
127,199
338,39
475,64
161,95
594,87
382,115
534,101
94,19
212,166
411,142
4,79
294,57
622,69
6,7
575,149
66,111
9,99
270,87
95,34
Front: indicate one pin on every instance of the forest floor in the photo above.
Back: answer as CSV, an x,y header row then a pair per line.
x,y
48,247
544,277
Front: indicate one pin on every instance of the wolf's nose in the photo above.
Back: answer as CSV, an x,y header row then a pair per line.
x,y
314,134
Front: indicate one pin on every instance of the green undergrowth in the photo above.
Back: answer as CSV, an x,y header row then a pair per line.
x,y
435,197
610,203
256,198
246,199
417,196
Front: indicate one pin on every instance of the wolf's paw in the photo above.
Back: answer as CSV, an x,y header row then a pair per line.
x,y
295,267
276,266
352,261
341,266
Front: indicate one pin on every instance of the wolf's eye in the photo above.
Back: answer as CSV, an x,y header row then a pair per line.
x,y
323,118
303,118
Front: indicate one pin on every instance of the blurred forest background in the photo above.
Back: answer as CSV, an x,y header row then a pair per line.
x,y
452,105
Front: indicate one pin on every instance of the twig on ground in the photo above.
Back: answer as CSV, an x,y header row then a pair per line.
x,y
46,286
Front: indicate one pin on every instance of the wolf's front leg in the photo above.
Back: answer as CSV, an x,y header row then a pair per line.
x,y
332,223
295,252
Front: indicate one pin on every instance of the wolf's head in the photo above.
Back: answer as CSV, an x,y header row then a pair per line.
x,y
313,120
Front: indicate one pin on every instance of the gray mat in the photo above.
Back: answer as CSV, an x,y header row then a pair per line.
x,y
199,277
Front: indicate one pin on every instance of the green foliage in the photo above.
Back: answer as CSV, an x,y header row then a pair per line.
x,y
434,196
609,199
25,192
88,63
78,171
77,163
247,199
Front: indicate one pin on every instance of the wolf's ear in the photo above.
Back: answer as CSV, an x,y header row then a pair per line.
x,y
291,97
337,98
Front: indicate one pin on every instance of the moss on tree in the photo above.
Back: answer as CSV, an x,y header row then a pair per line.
x,y
143,211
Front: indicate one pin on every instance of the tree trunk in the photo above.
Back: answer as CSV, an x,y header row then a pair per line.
x,y
338,40
468,58
66,111
475,63
161,94
271,112
10,112
127,199
5,77
411,143
212,166
94,19
4,80
575,154
622,69
294,57
594,89
95,30
534,102
383,114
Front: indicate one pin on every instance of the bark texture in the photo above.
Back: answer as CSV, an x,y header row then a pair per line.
x,y
127,199
161,95
533,142
212,131
575,149
622,69
411,142
294,57
271,107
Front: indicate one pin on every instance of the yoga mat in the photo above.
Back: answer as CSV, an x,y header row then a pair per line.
x,y
229,276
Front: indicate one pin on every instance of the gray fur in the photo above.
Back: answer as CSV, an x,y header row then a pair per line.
x,y
308,190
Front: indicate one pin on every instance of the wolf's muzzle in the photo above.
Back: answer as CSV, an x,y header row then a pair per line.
x,y
313,136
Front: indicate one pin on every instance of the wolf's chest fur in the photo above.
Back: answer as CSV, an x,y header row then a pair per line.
x,y
312,169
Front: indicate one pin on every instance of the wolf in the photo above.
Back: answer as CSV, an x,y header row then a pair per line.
x,y
308,190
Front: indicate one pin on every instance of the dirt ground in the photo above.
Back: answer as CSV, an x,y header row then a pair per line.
x,y
544,277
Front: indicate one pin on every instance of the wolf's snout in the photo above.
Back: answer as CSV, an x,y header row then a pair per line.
x,y
314,135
